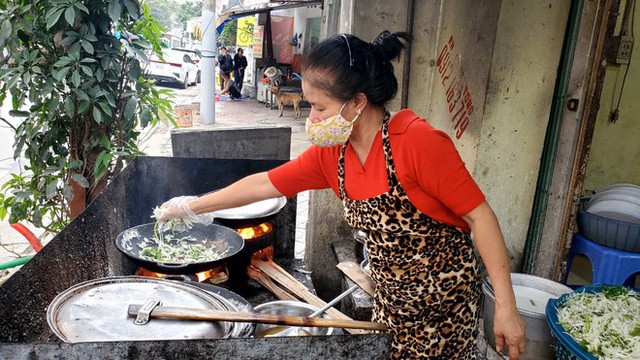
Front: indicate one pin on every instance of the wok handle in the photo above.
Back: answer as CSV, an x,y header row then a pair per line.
x,y
217,315
172,266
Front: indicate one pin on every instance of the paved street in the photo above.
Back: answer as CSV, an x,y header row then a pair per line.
x,y
157,142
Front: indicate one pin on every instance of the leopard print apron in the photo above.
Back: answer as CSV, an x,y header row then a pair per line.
x,y
427,288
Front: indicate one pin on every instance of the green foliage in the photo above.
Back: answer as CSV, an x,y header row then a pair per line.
x,y
188,10
173,14
74,73
229,34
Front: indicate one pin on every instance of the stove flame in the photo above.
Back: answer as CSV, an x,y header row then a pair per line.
x,y
255,231
216,275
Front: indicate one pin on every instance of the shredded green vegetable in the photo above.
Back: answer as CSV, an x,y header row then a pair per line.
x,y
606,324
166,246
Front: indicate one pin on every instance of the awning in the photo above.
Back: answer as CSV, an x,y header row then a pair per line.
x,y
239,11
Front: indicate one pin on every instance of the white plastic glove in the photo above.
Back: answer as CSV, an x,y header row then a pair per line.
x,y
178,208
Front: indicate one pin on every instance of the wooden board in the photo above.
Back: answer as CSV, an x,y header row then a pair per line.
x,y
352,271
286,280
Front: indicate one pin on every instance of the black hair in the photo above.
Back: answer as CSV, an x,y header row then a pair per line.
x,y
223,48
239,49
350,65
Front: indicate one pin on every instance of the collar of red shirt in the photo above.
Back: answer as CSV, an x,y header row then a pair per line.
x,y
401,120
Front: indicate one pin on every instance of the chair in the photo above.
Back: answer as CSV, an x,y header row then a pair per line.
x,y
610,266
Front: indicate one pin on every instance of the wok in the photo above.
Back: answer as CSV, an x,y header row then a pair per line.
x,y
219,238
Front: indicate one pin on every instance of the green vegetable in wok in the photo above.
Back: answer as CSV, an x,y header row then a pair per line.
x,y
166,246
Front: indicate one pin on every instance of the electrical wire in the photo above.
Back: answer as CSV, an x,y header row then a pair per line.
x,y
615,114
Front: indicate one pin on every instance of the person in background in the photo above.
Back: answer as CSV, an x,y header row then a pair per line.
x,y
239,66
230,87
226,65
403,183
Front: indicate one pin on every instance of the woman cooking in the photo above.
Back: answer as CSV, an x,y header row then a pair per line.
x,y
403,183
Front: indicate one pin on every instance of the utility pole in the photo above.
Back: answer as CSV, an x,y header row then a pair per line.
x,y
208,68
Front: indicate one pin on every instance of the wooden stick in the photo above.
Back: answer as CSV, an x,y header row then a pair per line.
x,y
301,291
172,312
266,281
353,272
262,256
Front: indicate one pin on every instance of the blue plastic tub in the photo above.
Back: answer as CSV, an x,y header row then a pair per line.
x,y
608,232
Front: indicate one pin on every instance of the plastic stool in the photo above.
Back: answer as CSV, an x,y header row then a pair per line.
x,y
610,266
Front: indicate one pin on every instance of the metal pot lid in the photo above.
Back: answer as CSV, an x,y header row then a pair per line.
x,y
231,300
96,310
254,210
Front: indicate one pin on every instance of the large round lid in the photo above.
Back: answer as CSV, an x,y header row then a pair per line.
x,y
254,210
97,310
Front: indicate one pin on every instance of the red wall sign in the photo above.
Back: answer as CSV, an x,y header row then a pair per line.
x,y
455,86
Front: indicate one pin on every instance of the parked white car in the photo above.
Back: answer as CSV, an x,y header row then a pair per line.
x,y
177,67
195,56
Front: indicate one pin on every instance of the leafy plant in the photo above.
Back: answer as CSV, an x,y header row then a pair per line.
x,y
73,70
229,34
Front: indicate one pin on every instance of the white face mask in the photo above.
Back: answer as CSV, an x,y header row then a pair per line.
x,y
330,132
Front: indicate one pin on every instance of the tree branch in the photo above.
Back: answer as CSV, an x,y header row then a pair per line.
x,y
9,124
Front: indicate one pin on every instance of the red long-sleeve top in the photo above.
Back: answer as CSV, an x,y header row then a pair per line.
x,y
427,163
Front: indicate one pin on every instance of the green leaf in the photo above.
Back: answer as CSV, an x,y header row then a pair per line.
x,y
82,95
3,212
74,50
145,117
102,164
104,141
115,9
87,70
75,164
67,192
105,107
36,218
63,61
19,113
130,109
80,6
53,18
69,107
61,74
5,31
132,8
90,37
87,46
75,79
81,180
52,188
83,107
70,15
22,195
97,114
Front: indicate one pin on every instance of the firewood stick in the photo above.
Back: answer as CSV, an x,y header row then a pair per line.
x,y
263,257
266,281
302,292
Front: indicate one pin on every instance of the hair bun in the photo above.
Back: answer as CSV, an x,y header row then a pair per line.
x,y
388,45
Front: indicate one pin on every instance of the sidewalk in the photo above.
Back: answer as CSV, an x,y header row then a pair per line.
x,y
156,141
245,113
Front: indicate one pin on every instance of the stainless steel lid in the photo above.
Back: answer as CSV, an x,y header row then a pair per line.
x,y
255,210
96,310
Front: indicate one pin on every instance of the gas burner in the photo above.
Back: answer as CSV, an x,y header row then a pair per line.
x,y
216,276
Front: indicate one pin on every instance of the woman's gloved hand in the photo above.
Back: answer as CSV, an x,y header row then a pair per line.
x,y
179,208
